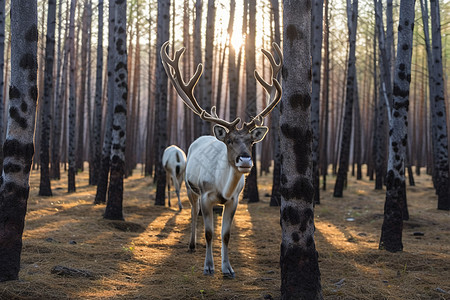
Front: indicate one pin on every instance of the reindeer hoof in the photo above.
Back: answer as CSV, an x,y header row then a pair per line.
x,y
208,272
228,275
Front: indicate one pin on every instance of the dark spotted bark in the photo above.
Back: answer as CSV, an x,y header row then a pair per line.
x,y
120,76
2,82
18,148
251,188
391,231
44,186
102,183
385,96
316,33
72,101
275,198
161,102
60,93
97,130
439,117
341,179
300,275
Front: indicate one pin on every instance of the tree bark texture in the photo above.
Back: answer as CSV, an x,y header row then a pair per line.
x,y
161,102
97,130
46,117
102,184
115,192
72,101
439,117
316,33
18,148
341,179
2,82
391,232
300,275
251,188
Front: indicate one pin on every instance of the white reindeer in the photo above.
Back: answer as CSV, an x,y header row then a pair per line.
x,y
174,162
217,166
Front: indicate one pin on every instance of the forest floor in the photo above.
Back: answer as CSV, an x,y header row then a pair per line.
x,y
146,257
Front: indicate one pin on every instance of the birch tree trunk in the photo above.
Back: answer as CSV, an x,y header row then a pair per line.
x,y
300,275
72,103
391,231
102,184
44,186
232,70
198,123
161,102
341,179
98,99
115,192
439,114
18,148
317,20
60,89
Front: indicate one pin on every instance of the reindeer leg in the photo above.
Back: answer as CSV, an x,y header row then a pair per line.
x,y
209,229
227,219
168,187
193,199
177,189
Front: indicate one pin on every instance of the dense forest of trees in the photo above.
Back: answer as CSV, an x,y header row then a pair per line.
x,y
379,94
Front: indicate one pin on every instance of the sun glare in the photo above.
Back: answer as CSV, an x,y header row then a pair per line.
x,y
237,40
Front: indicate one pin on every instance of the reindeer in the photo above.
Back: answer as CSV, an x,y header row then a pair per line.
x,y
174,162
217,165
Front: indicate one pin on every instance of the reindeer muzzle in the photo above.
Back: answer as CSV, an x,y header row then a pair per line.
x,y
244,164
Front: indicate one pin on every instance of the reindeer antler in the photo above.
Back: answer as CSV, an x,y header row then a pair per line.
x,y
186,91
274,89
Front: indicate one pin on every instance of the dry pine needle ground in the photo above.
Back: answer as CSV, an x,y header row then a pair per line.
x,y
146,256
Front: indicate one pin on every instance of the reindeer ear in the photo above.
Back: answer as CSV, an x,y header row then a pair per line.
x,y
220,132
259,133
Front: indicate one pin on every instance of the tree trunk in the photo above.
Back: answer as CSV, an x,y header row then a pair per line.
x,y
113,209
391,231
60,93
316,32
325,96
300,275
275,198
439,114
102,184
198,123
341,179
2,82
208,70
161,102
98,99
72,103
251,188
44,186
18,148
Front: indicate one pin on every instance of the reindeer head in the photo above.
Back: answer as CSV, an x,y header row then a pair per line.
x,y
239,141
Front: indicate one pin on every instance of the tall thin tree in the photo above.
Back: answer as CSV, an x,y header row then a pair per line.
x,y
352,17
300,275
45,186
97,130
161,101
316,34
72,101
2,82
115,192
18,148
391,231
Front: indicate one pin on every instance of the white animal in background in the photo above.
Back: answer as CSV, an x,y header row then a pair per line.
x,y
174,162
217,166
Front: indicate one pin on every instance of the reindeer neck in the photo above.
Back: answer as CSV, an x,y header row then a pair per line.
x,y
232,183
